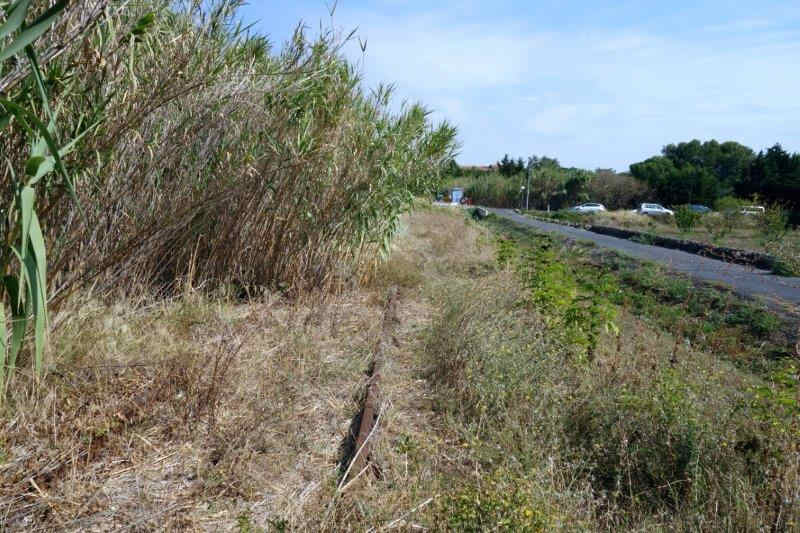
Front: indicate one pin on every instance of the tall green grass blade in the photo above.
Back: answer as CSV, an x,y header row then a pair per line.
x,y
16,18
37,74
36,265
40,255
33,165
32,32
27,118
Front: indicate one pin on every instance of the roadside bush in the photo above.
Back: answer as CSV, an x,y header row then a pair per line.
x,y
729,203
492,190
579,317
773,225
723,223
686,219
787,257
568,216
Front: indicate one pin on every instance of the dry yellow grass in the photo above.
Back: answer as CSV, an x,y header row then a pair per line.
x,y
207,414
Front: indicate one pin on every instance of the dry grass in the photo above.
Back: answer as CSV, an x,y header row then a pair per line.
x,y
134,428
146,429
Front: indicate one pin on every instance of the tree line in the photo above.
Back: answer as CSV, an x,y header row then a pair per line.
x,y
550,185
703,173
691,172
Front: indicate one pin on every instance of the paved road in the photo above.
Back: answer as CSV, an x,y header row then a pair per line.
x,y
742,279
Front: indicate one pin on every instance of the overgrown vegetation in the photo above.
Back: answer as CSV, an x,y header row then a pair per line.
x,y
660,429
194,153
201,413
195,382
715,319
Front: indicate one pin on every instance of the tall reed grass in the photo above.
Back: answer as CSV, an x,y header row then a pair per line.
x,y
207,157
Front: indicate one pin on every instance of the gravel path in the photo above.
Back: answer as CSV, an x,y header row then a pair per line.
x,y
742,279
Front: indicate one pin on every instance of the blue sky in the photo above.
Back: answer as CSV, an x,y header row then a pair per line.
x,y
594,84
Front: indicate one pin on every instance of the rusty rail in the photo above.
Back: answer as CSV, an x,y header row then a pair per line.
x,y
369,415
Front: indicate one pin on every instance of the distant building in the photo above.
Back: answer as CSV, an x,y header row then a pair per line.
x,y
478,168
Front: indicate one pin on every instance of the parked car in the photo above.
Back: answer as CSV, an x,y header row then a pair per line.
x,y
655,210
752,210
699,208
588,208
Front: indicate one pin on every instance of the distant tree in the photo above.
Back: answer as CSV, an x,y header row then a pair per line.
x,y
544,161
655,171
549,182
577,180
774,176
696,172
616,190
673,184
507,166
727,162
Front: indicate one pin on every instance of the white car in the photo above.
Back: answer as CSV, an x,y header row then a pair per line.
x,y
654,210
753,210
588,208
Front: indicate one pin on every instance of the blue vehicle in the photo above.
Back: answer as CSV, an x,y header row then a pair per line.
x,y
699,208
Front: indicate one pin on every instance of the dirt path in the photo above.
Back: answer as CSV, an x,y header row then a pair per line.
x,y
744,280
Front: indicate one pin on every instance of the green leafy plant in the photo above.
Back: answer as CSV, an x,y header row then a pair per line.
x,y
23,259
502,502
773,225
580,315
686,219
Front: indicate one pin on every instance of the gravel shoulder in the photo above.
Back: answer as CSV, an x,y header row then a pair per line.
x,y
747,281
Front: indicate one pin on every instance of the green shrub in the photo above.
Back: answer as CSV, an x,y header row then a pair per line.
x,y
686,219
491,190
570,216
729,203
787,257
759,322
773,225
577,314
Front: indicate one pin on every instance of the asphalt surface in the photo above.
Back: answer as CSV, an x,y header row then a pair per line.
x,y
741,279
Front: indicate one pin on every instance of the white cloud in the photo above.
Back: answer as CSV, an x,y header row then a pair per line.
x,y
429,57
609,97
